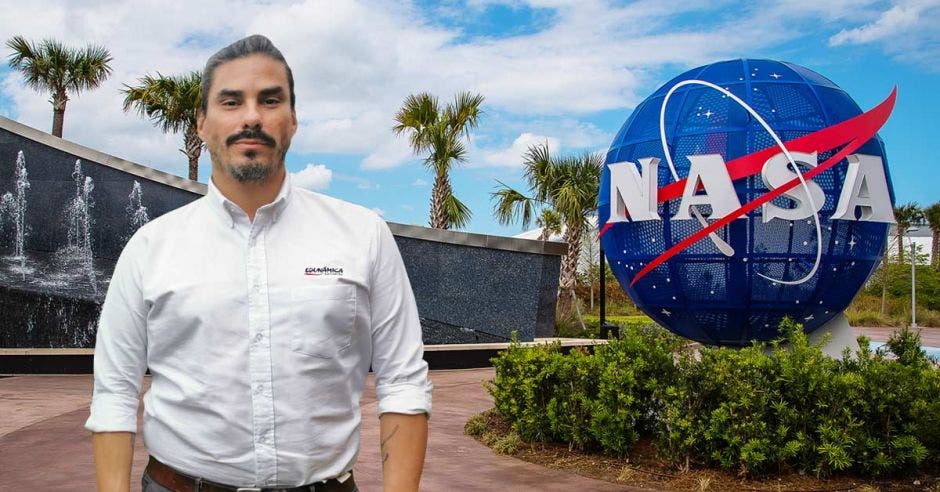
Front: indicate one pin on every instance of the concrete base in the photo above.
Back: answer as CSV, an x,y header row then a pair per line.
x,y
842,336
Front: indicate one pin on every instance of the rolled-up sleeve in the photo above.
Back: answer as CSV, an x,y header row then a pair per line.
x,y
120,347
401,374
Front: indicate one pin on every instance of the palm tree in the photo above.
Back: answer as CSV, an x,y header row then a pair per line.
x,y
170,102
906,215
53,67
567,185
932,215
550,222
440,131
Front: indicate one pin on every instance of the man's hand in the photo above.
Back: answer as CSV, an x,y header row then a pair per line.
x,y
404,441
114,452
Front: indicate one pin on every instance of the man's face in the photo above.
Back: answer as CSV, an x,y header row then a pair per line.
x,y
248,122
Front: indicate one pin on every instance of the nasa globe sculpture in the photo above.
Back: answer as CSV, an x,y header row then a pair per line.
x,y
742,192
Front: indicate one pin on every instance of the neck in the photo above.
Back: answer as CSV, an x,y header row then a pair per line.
x,y
249,196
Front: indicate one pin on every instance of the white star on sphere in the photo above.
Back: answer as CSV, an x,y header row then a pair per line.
x,y
776,75
708,114
852,243
667,313
808,318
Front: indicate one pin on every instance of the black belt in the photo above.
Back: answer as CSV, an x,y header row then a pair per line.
x,y
180,482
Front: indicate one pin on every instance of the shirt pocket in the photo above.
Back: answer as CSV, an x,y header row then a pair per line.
x,y
323,318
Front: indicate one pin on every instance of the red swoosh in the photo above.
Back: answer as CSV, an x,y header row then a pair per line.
x,y
853,133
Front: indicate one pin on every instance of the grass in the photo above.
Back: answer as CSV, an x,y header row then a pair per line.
x,y
865,310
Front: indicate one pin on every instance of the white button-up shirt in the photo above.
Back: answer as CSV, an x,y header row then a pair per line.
x,y
258,335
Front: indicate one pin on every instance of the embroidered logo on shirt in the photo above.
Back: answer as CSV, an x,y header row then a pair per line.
x,y
325,270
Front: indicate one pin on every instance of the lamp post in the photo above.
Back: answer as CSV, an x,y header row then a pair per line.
x,y
913,281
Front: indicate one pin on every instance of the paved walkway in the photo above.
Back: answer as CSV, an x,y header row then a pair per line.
x,y
43,445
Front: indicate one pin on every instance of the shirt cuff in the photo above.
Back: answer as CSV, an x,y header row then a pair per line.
x,y
406,398
112,413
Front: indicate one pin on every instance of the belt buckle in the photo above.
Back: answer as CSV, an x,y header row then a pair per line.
x,y
248,489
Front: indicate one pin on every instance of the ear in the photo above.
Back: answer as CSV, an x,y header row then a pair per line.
x,y
293,118
200,120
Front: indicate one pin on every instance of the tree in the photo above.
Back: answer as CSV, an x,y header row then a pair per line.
x,y
906,216
932,216
171,103
568,185
53,67
550,222
440,131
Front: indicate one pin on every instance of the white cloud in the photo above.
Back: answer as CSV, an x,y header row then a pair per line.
x,y
360,182
379,211
888,24
419,182
514,155
407,208
390,152
354,62
313,177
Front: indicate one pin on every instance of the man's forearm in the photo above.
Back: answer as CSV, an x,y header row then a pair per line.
x,y
404,441
114,453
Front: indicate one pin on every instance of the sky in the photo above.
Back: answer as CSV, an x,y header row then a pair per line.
x,y
565,73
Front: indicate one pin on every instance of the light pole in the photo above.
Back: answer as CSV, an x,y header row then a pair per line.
x,y
913,281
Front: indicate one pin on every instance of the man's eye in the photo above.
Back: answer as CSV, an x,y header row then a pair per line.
x,y
229,103
272,100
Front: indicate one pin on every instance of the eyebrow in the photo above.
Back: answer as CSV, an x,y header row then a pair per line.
x,y
271,91
224,93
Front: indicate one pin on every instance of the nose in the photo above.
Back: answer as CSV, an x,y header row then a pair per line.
x,y
251,118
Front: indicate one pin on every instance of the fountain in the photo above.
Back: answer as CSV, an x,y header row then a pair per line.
x,y
137,212
79,226
15,206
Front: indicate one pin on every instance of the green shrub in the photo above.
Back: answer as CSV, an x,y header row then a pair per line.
x,y
602,401
630,373
751,410
523,386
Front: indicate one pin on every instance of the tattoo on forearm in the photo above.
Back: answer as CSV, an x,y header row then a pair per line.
x,y
384,441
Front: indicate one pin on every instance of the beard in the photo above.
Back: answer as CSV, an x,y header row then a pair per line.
x,y
251,172
251,169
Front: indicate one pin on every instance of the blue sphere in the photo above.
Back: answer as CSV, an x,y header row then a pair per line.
x,y
701,293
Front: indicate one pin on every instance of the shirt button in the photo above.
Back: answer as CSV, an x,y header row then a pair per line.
x,y
259,337
259,388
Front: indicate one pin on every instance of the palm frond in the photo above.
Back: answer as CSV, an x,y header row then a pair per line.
x,y
170,102
51,65
464,114
458,214
511,205
417,116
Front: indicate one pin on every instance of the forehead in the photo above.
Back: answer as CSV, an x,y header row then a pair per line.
x,y
250,72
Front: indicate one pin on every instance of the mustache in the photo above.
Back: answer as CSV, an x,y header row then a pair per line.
x,y
251,134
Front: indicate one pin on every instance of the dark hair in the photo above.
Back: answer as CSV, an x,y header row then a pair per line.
x,y
254,44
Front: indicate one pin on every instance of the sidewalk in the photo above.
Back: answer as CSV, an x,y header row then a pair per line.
x,y
43,445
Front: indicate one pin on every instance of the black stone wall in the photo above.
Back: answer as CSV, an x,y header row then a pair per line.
x,y
465,293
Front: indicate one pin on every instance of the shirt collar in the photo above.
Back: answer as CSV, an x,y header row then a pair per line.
x,y
232,213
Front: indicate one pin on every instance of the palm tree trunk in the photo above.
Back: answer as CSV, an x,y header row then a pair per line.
x,y
441,191
569,269
193,148
59,99
569,262
900,246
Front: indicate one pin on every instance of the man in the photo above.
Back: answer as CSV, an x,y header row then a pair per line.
x,y
259,309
